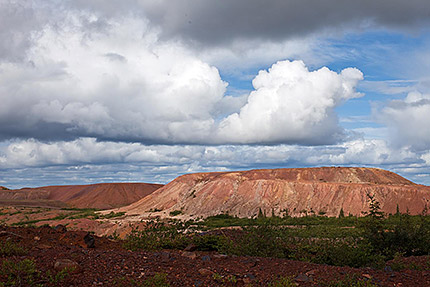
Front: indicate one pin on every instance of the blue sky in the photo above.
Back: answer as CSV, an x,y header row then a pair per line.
x,y
148,90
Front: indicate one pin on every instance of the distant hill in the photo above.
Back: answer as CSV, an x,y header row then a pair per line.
x,y
101,196
299,191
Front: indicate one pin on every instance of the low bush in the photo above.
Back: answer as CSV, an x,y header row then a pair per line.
x,y
9,248
21,273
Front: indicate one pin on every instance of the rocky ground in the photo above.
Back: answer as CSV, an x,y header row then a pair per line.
x,y
99,261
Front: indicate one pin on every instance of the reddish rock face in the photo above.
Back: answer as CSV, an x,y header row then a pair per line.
x,y
101,196
299,191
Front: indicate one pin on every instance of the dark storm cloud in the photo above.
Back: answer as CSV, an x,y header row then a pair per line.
x,y
217,22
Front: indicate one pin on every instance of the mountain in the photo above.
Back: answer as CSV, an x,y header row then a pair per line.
x,y
299,191
101,196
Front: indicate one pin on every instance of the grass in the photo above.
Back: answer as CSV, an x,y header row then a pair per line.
x,y
9,248
345,241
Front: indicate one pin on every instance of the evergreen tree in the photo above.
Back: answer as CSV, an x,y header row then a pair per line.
x,y
341,214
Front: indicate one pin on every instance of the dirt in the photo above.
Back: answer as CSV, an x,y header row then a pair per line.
x,y
109,263
100,196
298,191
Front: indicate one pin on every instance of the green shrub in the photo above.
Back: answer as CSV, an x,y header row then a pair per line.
x,y
21,273
211,242
350,281
175,212
9,248
285,281
156,236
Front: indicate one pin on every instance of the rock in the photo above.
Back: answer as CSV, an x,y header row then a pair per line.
x,y
220,256
71,265
165,256
206,272
310,273
250,276
60,228
303,278
36,238
388,269
206,258
190,255
44,246
190,247
368,276
89,240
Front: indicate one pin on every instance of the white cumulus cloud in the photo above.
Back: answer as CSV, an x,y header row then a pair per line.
x,y
292,104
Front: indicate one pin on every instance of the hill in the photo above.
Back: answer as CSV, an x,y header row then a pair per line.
x,y
299,191
101,196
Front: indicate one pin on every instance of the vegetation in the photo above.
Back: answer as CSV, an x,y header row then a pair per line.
x,y
285,281
175,212
22,273
25,273
344,241
9,248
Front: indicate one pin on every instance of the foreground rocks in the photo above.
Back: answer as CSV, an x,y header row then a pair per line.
x,y
108,263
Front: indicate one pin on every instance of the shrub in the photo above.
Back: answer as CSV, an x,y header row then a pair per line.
x,y
9,248
211,242
285,281
175,212
22,273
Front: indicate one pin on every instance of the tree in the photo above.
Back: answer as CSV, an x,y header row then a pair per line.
x,y
341,214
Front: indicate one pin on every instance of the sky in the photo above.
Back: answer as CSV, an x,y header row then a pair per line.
x,y
146,90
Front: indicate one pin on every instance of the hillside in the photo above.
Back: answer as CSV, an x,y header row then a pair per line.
x,y
300,191
101,196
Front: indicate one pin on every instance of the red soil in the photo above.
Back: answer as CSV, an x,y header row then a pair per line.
x,y
101,196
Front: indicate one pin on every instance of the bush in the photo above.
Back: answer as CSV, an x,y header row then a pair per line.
x,y
175,212
157,236
22,273
211,242
9,248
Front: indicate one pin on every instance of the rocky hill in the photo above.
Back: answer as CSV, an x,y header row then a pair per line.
x,y
101,196
300,191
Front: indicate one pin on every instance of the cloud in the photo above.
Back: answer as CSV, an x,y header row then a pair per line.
x,y
291,104
119,83
31,162
217,23
407,120
113,79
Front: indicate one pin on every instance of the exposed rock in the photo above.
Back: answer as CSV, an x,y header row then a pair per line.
x,y
89,240
303,278
60,228
190,247
206,258
191,255
206,272
165,256
295,192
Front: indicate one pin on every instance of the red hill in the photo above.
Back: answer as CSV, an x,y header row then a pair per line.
x,y
102,195
323,190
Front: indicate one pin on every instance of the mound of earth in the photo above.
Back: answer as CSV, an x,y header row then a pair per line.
x,y
298,191
100,196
